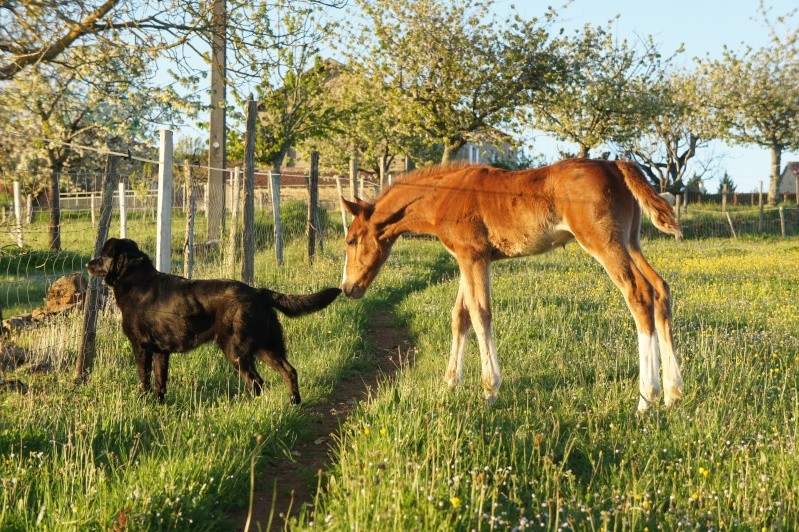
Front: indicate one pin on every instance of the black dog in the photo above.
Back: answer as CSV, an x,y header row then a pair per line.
x,y
163,314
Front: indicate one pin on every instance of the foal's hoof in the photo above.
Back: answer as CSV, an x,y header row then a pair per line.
x,y
673,394
491,398
295,399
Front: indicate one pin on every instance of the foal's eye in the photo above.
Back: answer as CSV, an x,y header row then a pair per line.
x,y
352,242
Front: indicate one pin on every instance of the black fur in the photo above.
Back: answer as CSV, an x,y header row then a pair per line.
x,y
163,314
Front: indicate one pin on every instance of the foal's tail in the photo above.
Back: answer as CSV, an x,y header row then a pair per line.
x,y
658,208
295,305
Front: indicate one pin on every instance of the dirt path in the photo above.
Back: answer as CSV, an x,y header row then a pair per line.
x,y
392,349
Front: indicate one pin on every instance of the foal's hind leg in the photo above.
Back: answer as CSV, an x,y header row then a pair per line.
x,y
639,295
672,380
461,324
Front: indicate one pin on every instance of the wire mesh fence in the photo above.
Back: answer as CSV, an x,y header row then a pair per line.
x,y
43,287
43,279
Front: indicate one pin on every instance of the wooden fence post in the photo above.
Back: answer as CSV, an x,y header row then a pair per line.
x,y
724,198
28,209
87,349
313,208
123,211
341,204
353,173
188,243
235,185
782,222
732,228
760,203
274,180
677,207
382,181
248,233
18,213
93,208
163,257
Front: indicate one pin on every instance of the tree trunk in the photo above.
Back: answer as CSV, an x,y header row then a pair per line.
x,y
774,186
584,152
451,147
55,210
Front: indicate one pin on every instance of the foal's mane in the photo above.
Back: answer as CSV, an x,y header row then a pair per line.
x,y
428,172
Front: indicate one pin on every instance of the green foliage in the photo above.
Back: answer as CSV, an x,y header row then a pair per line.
x,y
726,182
602,98
755,96
450,68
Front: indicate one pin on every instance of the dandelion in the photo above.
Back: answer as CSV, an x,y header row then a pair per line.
x,y
383,431
455,501
367,431
704,472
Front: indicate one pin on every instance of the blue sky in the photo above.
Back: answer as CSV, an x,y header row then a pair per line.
x,y
704,27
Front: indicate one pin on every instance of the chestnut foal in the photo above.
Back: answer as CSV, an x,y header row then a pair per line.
x,y
481,214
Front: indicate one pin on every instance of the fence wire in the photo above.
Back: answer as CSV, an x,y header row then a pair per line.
x,y
42,285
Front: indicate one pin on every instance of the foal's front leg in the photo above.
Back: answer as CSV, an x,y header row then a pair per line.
x,y
477,296
461,323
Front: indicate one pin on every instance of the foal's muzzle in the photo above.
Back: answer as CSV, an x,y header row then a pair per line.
x,y
353,290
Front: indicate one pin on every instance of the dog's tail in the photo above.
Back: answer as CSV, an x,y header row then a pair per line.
x,y
295,305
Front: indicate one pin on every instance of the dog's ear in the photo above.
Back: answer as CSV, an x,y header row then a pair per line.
x,y
123,253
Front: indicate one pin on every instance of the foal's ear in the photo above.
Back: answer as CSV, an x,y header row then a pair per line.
x,y
357,207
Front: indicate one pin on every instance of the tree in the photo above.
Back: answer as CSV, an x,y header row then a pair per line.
x,y
52,107
449,67
601,99
292,103
36,33
671,137
726,184
756,95
362,123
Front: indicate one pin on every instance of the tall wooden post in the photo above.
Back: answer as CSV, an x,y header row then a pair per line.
x,y
724,198
341,204
87,349
188,243
353,173
163,257
248,234
274,180
123,211
235,186
313,208
18,213
760,203
216,149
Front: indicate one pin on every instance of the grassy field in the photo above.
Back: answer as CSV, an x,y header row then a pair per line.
x,y
561,448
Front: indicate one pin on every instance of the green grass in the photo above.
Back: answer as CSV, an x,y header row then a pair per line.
x,y
92,456
562,446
